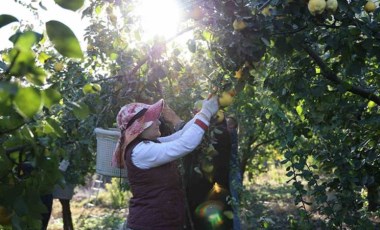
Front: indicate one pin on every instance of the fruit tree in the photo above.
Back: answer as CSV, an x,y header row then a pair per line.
x,y
300,76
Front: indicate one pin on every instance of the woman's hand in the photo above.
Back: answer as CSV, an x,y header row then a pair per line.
x,y
210,107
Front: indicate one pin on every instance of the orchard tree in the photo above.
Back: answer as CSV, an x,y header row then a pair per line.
x,y
310,76
304,74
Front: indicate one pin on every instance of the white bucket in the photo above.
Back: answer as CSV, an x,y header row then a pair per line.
x,y
106,140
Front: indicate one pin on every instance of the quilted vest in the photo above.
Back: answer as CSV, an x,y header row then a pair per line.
x,y
158,199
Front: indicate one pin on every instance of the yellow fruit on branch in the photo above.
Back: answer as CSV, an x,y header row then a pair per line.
x,y
225,99
207,167
239,24
96,87
232,92
219,116
58,66
331,5
239,73
370,6
267,11
316,6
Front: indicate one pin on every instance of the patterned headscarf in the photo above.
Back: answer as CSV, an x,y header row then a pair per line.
x,y
132,120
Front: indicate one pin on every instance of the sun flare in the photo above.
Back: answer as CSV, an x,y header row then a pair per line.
x,y
159,18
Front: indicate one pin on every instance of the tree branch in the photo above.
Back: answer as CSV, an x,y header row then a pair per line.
x,y
143,60
327,73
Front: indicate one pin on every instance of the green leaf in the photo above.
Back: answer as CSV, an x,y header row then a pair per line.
x,y
42,57
5,19
207,35
3,65
36,76
21,62
27,132
70,4
28,101
51,96
265,41
64,39
55,127
288,155
11,121
24,41
191,45
290,173
80,110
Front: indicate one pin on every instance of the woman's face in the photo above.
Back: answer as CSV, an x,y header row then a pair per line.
x,y
152,132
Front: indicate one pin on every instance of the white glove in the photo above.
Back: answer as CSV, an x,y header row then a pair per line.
x,y
210,107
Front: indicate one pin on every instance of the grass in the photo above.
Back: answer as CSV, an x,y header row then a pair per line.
x,y
103,210
266,203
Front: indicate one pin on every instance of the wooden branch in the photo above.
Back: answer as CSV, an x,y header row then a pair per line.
x,y
263,143
146,58
264,5
143,60
330,75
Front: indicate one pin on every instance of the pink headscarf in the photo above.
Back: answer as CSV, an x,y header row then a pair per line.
x,y
132,120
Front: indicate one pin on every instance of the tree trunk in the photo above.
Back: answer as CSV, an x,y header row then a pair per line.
x,y
66,214
373,197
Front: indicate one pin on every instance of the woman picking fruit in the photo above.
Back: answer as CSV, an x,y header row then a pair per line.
x,y
158,199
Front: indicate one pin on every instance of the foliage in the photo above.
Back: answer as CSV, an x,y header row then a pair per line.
x,y
115,194
296,71
307,94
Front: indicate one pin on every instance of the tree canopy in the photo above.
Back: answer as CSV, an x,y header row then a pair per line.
x,y
305,77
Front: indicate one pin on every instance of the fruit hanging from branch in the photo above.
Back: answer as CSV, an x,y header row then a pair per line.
x,y
239,24
370,6
331,5
316,6
219,116
225,99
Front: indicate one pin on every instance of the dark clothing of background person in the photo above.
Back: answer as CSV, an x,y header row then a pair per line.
x,y
236,181
47,200
199,186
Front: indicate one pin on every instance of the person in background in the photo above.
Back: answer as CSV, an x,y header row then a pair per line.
x,y
235,171
207,184
157,196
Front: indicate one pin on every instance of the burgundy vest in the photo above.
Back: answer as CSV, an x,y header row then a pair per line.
x,y
158,200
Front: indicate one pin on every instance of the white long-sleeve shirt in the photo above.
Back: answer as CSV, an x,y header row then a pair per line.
x,y
149,154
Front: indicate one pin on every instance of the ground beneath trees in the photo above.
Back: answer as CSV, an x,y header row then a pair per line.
x,y
267,203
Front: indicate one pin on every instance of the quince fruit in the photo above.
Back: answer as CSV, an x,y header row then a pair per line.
x,y
331,5
316,6
267,11
91,88
219,116
239,24
96,87
225,99
207,167
58,66
239,73
370,6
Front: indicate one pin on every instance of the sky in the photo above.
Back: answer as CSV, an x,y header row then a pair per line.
x,y
54,12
